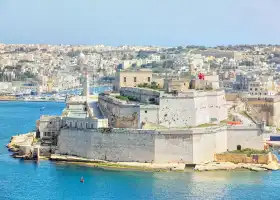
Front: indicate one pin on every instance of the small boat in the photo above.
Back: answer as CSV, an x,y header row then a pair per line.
x,y
82,180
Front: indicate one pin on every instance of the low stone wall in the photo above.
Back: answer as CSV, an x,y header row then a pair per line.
x,y
231,96
144,95
243,158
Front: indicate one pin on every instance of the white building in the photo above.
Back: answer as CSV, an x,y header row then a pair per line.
x,y
262,86
154,57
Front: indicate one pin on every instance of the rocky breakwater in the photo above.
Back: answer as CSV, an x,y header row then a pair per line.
x,y
21,145
232,166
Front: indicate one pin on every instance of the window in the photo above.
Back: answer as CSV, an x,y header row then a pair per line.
x,y
91,125
124,79
135,79
70,124
149,79
250,88
50,122
145,111
256,89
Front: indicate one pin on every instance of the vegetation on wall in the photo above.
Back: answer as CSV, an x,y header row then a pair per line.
x,y
249,152
153,86
126,98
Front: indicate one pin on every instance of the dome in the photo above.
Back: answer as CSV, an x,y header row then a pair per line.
x,y
82,56
81,59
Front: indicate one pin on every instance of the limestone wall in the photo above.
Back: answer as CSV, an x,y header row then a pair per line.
x,y
82,123
231,96
245,136
132,145
205,145
217,106
120,114
192,108
174,148
144,95
171,109
117,145
242,158
149,113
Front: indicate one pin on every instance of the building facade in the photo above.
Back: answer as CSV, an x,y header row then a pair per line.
x,y
132,78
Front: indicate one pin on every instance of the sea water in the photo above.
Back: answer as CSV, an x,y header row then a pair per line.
x,y
20,180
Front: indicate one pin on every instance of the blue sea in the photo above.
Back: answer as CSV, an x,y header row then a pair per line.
x,y
24,180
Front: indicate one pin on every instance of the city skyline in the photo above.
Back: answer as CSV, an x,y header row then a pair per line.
x,y
139,23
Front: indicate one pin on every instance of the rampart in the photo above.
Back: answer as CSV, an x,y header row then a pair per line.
x,y
120,114
137,145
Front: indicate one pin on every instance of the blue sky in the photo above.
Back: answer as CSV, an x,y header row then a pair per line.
x,y
140,22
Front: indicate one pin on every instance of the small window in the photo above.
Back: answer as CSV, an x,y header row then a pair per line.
x,y
145,111
135,79
50,122
149,79
91,125
124,79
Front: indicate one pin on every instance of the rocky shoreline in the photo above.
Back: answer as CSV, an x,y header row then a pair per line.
x,y
227,166
19,142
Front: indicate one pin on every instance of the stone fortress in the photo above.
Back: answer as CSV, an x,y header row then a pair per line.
x,y
147,126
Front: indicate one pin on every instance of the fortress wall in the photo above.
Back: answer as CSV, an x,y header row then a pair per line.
x,y
201,110
117,145
119,114
221,140
206,145
174,148
217,106
177,112
149,114
128,145
244,136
